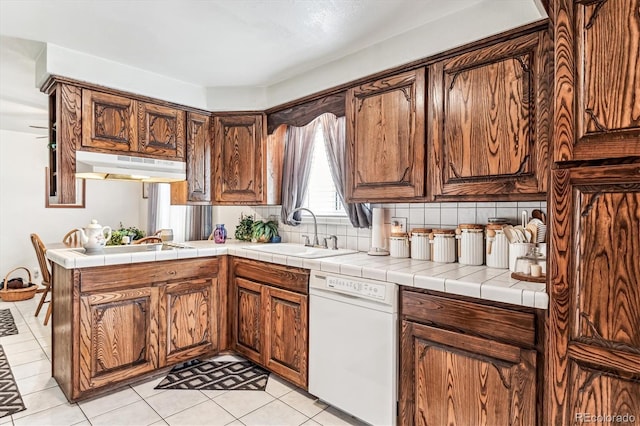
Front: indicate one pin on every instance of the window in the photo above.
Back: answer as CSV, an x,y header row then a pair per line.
x,y
322,198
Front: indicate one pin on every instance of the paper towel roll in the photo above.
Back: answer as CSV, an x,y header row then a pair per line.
x,y
378,239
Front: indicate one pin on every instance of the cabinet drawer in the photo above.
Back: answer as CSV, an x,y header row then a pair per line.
x,y
294,279
488,321
144,274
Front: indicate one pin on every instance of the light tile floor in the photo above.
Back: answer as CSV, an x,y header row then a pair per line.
x,y
29,354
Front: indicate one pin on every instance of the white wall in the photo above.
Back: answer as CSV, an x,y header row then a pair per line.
x,y
23,159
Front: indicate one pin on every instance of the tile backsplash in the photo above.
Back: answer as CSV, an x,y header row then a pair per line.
x,y
431,215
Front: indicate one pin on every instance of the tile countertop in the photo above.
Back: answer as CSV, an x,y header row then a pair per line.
x,y
480,282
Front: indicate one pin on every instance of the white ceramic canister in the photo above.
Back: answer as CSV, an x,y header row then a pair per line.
x,y
399,244
497,247
420,247
470,244
444,245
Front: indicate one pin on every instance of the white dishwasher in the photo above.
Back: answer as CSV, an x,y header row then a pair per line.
x,y
353,349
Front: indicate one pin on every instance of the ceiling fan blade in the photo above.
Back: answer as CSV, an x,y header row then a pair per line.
x,y
39,127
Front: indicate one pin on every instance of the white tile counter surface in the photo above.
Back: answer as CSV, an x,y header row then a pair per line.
x,y
480,282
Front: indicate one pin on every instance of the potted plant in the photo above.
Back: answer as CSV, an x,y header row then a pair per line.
x,y
134,233
244,229
264,231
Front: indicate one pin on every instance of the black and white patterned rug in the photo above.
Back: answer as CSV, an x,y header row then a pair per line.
x,y
10,399
216,375
7,325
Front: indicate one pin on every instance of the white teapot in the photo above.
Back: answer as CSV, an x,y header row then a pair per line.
x,y
93,236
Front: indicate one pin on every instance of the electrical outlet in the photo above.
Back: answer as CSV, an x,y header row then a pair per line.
x,y
399,224
36,273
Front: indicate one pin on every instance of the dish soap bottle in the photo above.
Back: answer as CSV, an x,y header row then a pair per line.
x,y
220,234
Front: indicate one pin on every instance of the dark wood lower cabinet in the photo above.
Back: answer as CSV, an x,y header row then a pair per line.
x,y
452,374
118,337
249,319
270,317
113,324
285,349
188,320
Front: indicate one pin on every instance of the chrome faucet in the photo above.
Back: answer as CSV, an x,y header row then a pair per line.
x,y
316,243
332,238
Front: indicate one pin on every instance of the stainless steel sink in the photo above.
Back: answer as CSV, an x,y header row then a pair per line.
x,y
299,250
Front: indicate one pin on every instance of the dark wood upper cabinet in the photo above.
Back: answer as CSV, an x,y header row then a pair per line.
x,y
240,158
197,189
597,70
113,123
109,122
594,292
489,121
161,131
385,138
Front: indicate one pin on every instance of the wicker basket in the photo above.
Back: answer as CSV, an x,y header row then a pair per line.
x,y
18,294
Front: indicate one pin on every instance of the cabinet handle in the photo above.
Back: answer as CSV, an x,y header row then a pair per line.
x,y
171,272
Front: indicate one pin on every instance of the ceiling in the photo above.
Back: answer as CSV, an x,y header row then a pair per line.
x,y
213,43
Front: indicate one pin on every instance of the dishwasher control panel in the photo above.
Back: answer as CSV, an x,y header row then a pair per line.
x,y
371,290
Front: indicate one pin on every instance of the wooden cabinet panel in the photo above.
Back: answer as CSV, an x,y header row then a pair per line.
x,y
65,133
239,143
489,120
386,138
488,321
109,122
286,277
188,318
270,324
597,68
143,274
451,378
286,345
118,339
199,173
117,323
594,393
594,308
161,131
248,322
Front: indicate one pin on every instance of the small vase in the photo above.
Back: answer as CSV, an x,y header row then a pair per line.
x,y
220,234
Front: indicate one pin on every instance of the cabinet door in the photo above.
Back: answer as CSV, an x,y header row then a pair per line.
x,y
456,379
489,120
240,158
187,320
286,325
119,336
597,71
248,323
109,122
386,138
161,131
199,173
594,300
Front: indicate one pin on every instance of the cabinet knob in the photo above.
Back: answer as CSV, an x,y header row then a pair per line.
x,y
171,272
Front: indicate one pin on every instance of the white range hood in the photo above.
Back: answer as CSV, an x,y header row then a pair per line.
x,y
97,165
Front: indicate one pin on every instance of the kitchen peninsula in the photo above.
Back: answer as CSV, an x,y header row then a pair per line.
x,y
119,317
